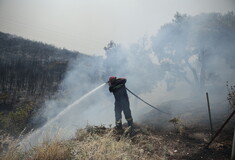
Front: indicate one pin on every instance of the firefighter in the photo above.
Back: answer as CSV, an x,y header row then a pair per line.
x,y
118,88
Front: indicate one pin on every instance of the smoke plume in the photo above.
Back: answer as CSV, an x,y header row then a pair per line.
x,y
171,70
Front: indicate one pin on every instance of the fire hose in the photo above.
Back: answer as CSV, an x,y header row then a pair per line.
x,y
147,103
171,114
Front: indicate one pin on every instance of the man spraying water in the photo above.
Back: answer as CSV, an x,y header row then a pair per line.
x,y
118,88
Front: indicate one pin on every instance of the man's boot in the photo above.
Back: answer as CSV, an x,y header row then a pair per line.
x,y
118,127
130,122
131,128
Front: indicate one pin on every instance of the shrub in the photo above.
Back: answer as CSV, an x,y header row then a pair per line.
x,y
54,150
15,121
231,95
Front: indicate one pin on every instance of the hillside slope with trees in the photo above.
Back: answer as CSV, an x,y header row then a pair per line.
x,y
30,72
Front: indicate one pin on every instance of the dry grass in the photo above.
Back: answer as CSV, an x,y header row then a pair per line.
x,y
103,143
12,154
100,143
8,147
104,147
178,124
94,142
54,150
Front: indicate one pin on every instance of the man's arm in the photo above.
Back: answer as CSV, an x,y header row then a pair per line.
x,y
119,81
111,89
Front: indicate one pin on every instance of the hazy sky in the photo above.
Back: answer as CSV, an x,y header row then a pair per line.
x,y
88,25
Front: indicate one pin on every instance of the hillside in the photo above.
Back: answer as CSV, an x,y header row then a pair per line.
x,y
156,137
30,73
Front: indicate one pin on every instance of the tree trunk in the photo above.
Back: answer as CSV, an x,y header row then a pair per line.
x,y
194,73
203,71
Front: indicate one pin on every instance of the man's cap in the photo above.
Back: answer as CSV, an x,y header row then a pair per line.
x,y
112,78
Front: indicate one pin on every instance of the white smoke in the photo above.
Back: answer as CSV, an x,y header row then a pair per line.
x,y
152,77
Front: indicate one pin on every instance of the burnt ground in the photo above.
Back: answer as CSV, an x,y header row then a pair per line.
x,y
188,144
192,145
185,136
